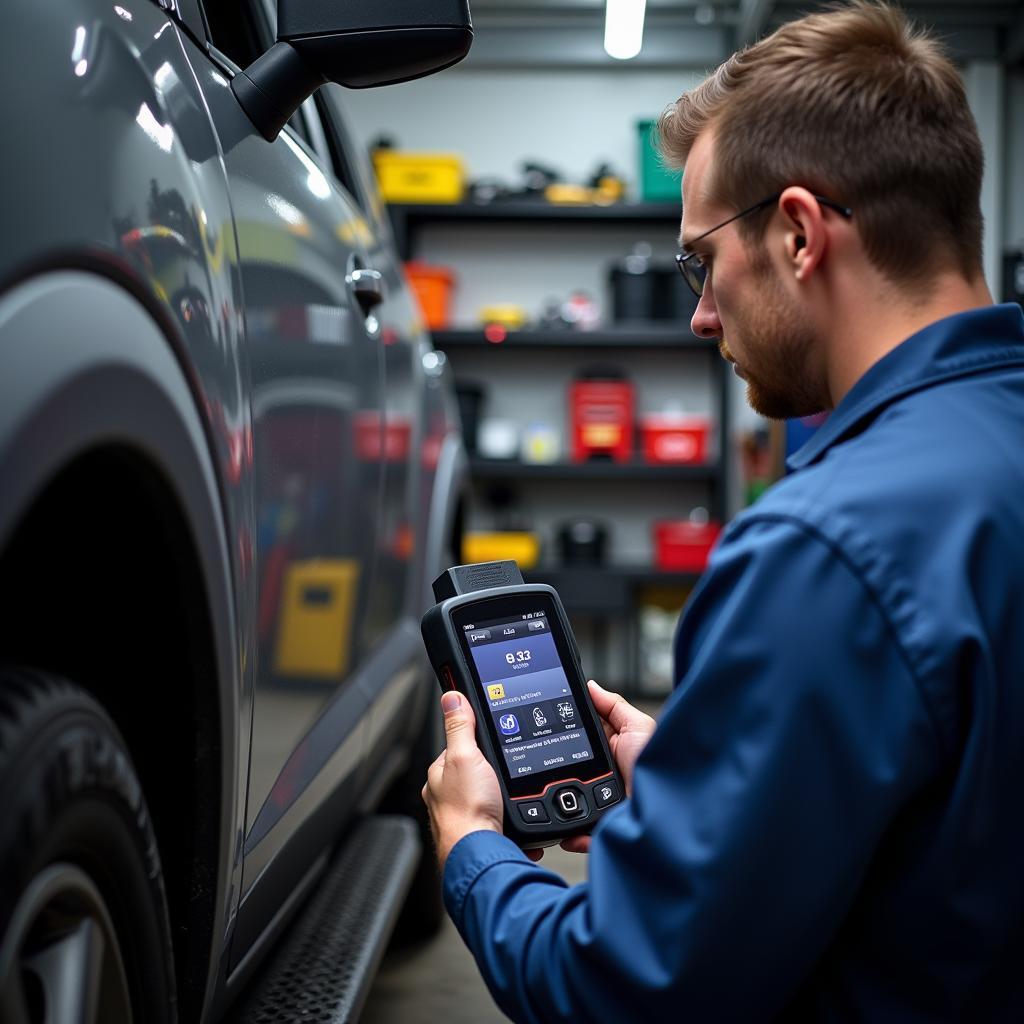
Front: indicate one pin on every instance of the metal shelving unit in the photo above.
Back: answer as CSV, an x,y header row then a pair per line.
x,y
605,593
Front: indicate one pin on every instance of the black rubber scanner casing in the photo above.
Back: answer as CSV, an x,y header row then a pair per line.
x,y
462,585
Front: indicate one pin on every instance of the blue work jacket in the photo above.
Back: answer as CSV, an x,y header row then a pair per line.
x,y
828,823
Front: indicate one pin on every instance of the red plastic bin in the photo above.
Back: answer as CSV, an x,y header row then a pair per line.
x,y
684,546
675,440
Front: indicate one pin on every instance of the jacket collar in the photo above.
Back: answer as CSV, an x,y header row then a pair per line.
x,y
956,346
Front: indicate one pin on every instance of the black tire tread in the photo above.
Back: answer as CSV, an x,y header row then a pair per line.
x,y
35,707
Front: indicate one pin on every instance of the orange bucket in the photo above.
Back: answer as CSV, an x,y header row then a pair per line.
x,y
433,287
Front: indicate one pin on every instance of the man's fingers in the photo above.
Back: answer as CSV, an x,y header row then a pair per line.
x,y
459,723
576,844
610,706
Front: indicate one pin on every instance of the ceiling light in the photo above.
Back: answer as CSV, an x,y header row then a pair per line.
x,y
624,28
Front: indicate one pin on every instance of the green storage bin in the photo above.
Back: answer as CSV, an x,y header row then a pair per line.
x,y
657,183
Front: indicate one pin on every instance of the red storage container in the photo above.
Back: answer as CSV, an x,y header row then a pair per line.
x,y
684,546
675,439
601,412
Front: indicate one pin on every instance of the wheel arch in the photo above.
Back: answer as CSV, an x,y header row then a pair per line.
x,y
103,452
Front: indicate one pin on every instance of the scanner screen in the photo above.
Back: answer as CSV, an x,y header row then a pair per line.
x,y
536,717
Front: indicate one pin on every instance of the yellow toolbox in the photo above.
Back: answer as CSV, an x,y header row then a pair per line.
x,y
521,547
419,177
318,601
507,314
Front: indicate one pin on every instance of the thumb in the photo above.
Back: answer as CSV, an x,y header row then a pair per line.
x,y
604,700
459,721
612,707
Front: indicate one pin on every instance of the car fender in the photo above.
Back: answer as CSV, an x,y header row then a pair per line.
x,y
83,363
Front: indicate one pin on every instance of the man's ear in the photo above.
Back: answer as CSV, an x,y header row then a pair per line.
x,y
805,237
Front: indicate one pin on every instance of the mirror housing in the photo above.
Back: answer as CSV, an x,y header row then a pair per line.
x,y
356,43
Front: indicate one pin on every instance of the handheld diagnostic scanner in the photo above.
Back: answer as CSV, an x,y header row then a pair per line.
x,y
508,648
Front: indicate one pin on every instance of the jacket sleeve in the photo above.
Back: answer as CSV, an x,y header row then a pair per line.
x,y
794,736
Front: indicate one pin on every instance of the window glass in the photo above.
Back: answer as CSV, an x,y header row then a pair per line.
x,y
338,144
234,30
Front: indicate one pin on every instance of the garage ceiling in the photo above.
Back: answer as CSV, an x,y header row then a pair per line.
x,y
702,33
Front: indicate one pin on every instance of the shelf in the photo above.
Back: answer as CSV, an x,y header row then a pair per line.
x,y
574,471
643,335
605,589
536,211
638,575
406,218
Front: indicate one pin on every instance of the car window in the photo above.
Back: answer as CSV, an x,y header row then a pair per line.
x,y
234,30
338,147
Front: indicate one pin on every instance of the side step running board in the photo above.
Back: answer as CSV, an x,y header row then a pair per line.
x,y
324,966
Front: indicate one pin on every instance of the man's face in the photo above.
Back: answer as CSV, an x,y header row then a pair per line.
x,y
761,327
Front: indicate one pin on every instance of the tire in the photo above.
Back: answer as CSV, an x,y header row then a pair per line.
x,y
423,911
84,921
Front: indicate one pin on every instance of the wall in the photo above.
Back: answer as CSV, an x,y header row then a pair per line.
x,y
1014,182
985,85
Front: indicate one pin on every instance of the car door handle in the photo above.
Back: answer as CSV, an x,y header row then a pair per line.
x,y
368,288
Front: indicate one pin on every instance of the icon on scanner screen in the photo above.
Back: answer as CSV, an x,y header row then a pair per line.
x,y
509,724
496,691
565,711
539,718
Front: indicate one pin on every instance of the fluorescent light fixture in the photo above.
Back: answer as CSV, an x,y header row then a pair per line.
x,y
624,28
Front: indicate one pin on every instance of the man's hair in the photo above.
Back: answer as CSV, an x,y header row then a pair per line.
x,y
857,105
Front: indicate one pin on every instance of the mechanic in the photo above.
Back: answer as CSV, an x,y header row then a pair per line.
x,y
826,822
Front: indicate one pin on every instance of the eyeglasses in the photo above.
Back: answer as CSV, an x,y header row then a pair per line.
x,y
695,273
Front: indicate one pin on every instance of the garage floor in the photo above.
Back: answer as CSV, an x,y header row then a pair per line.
x,y
439,980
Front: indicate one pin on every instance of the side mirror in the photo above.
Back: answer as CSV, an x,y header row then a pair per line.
x,y
356,43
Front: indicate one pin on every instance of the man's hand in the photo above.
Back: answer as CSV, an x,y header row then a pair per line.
x,y
628,731
462,792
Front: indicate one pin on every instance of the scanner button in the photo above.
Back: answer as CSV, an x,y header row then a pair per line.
x,y
533,812
606,793
569,803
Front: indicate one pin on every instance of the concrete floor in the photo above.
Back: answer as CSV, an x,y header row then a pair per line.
x,y
438,981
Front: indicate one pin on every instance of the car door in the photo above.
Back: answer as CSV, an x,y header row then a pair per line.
x,y
395,605
314,350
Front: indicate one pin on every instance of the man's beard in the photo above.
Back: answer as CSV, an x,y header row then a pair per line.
x,y
779,349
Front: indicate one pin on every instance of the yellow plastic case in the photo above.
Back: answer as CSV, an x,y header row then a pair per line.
x,y
523,548
315,631
419,177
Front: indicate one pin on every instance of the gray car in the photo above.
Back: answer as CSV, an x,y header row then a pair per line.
x,y
230,466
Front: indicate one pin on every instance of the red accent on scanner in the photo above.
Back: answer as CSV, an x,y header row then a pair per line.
x,y
561,782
